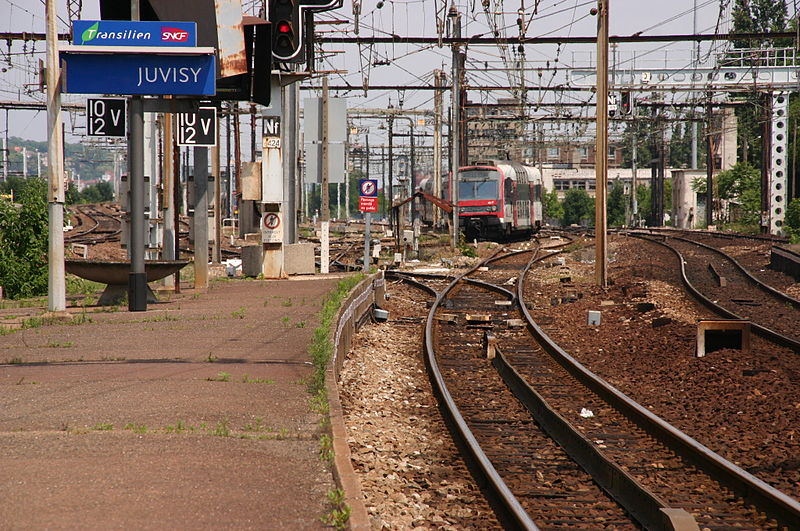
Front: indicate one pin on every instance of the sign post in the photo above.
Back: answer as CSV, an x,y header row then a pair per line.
x,y
367,203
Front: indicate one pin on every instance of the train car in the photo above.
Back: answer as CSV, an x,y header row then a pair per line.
x,y
499,200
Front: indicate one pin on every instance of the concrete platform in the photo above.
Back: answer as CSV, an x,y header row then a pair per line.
x,y
192,415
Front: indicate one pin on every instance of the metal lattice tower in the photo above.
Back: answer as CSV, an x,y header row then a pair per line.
x,y
74,8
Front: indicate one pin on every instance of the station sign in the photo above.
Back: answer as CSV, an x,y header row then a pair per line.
x,y
139,73
198,128
106,117
368,195
133,33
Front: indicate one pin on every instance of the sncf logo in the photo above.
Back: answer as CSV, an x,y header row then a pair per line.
x,y
174,34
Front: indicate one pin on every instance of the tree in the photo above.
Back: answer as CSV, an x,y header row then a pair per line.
x,y
793,219
643,200
636,130
578,208
742,184
616,204
680,146
24,241
755,16
759,16
551,206
101,192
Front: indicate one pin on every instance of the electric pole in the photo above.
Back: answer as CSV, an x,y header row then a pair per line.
x,y
601,146
56,285
709,163
455,121
325,214
438,77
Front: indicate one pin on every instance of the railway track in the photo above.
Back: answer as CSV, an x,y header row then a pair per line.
x,y
649,471
96,224
721,283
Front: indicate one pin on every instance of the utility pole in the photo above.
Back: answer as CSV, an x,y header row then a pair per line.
x,y
390,196
325,215
289,149
413,174
696,62
438,78
252,132
634,168
237,164
5,152
324,256
455,123
56,285
601,148
216,257
228,179
168,204
709,164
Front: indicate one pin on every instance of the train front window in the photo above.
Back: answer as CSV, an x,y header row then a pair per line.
x,y
477,184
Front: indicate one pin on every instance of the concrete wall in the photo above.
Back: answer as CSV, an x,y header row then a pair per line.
x,y
685,213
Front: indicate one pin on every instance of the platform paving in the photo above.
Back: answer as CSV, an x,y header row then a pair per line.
x,y
192,415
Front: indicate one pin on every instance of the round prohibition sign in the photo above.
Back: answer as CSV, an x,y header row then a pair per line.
x,y
272,221
368,188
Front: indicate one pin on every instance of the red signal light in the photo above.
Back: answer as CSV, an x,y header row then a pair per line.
x,y
284,27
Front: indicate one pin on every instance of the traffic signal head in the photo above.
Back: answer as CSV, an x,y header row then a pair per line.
x,y
626,103
287,40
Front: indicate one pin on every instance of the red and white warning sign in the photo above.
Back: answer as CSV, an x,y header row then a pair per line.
x,y
271,228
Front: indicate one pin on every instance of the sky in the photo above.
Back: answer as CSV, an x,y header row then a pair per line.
x,y
406,64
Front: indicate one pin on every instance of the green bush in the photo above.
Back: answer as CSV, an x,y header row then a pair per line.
x,y
24,240
793,219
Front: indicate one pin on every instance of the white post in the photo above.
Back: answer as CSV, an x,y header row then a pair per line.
x,y
56,286
5,156
324,240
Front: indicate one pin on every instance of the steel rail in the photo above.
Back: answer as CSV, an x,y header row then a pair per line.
x,y
506,504
411,281
763,285
761,330
727,235
784,509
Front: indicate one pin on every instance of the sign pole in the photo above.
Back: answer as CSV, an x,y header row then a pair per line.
x,y
367,231
56,291
215,170
137,279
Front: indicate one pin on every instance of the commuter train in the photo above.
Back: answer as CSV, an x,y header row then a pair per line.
x,y
497,200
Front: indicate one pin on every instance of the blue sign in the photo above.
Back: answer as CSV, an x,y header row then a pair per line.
x,y
133,33
368,187
97,73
